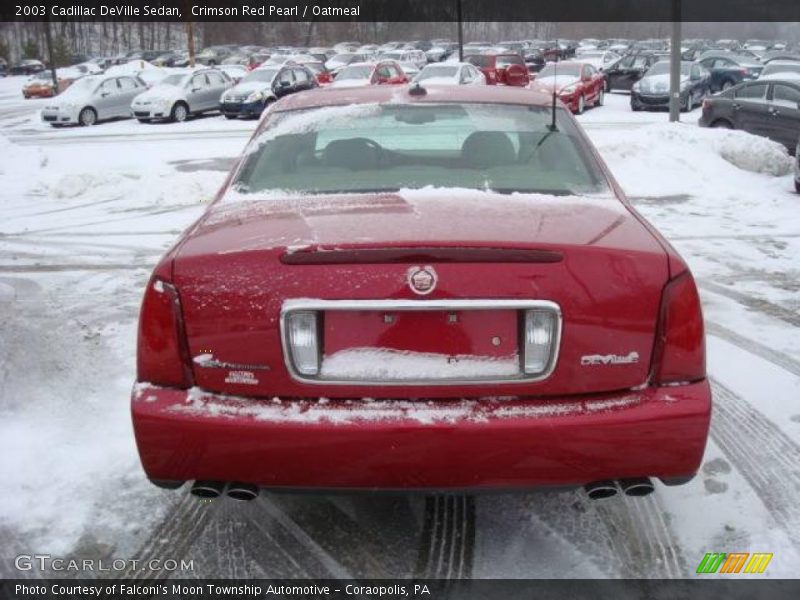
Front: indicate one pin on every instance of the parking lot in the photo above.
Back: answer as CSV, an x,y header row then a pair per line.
x,y
85,214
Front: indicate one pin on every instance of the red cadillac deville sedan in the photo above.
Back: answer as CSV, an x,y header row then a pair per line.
x,y
401,288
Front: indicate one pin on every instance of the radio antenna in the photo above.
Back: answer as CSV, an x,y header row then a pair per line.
x,y
553,126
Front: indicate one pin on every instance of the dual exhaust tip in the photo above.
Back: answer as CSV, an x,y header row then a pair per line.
x,y
634,486
214,489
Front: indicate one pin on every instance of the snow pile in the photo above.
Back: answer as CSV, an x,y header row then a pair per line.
x,y
663,159
382,364
753,153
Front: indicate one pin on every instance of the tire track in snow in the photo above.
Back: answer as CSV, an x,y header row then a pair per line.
x,y
777,358
448,537
765,456
757,304
640,537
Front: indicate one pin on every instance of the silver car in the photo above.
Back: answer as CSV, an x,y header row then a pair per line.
x,y
92,99
180,94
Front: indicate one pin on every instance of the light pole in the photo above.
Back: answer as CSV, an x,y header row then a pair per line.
x,y
675,64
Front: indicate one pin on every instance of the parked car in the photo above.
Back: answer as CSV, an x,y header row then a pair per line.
x,y
577,84
797,166
140,68
442,52
340,61
262,87
599,59
409,56
768,108
727,69
235,72
322,74
354,257
652,90
181,94
534,60
92,99
213,55
781,69
506,69
27,67
40,85
628,70
378,73
450,74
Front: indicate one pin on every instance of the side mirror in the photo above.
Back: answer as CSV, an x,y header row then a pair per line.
x,y
517,76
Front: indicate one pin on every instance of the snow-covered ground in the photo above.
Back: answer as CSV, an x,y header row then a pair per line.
x,y
86,212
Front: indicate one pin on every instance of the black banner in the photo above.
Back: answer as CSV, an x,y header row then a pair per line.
x,y
734,588
404,10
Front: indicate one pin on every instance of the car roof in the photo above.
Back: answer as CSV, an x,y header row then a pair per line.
x,y
379,94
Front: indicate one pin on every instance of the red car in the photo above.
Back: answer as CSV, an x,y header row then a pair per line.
x,y
410,288
506,69
577,84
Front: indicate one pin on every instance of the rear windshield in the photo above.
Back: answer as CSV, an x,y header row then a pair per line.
x,y
374,148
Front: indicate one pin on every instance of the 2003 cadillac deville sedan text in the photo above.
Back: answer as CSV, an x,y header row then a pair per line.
x,y
420,289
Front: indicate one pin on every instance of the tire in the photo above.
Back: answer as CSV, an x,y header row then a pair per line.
x,y
87,117
601,98
722,124
230,116
179,112
797,186
581,104
687,106
143,120
726,85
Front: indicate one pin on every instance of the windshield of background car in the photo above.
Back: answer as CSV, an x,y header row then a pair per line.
x,y
377,148
342,59
553,70
479,60
264,75
505,61
436,71
357,72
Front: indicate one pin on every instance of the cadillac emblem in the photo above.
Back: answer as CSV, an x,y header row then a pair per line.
x,y
422,280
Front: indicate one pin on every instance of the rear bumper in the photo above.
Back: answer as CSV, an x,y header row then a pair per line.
x,y
489,444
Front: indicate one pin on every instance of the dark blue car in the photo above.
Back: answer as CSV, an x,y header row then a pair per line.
x,y
728,70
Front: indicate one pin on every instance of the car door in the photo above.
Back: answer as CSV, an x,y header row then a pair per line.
x,y
620,73
591,83
128,90
750,108
106,99
196,92
219,84
784,110
284,83
301,79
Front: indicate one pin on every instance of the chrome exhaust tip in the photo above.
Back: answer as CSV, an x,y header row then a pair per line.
x,y
242,491
597,490
207,489
637,486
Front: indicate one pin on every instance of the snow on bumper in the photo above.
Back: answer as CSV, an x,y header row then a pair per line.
x,y
381,444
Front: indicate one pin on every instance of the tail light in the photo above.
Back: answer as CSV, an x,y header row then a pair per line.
x,y
540,333
706,105
162,353
302,341
744,72
679,355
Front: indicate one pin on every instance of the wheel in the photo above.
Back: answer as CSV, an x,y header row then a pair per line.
x,y
230,116
87,116
601,97
687,106
797,186
143,120
722,124
727,85
581,104
179,112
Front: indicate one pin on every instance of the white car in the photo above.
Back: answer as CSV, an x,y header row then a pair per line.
x,y
147,72
414,57
450,74
184,92
781,69
93,98
340,61
599,59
